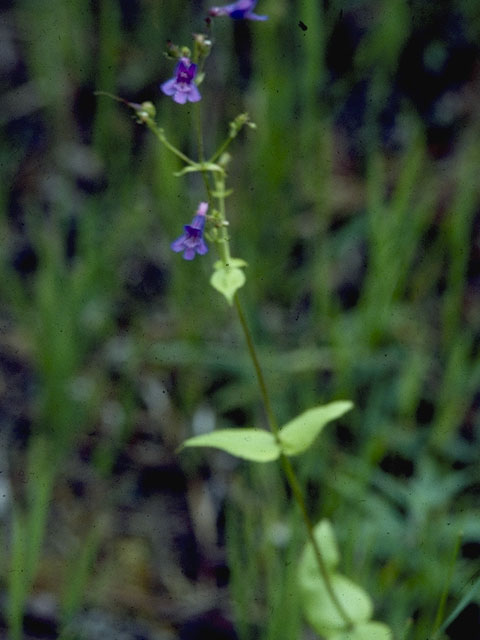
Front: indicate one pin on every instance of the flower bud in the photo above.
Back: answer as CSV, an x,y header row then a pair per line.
x,y
224,160
203,44
149,109
240,121
173,51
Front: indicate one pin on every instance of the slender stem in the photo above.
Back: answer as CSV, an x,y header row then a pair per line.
x,y
161,136
287,465
272,421
235,127
198,127
297,492
224,245
221,149
201,154
147,118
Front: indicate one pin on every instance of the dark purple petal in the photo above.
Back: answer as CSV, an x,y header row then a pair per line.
x,y
181,68
193,238
192,71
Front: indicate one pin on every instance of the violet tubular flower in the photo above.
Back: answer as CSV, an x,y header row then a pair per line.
x,y
182,87
192,242
240,10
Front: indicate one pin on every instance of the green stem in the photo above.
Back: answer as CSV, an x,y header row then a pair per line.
x,y
297,492
224,244
161,136
221,149
198,127
201,153
272,421
287,465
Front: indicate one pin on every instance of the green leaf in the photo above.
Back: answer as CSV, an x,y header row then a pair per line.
x,y
211,166
228,280
250,444
199,166
299,434
467,598
365,631
319,609
325,537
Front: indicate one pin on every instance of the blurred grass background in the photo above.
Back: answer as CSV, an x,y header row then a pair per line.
x,y
356,205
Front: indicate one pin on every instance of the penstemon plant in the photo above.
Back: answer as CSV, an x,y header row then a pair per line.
x,y
335,606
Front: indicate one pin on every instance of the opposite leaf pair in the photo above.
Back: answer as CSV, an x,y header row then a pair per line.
x,y
259,445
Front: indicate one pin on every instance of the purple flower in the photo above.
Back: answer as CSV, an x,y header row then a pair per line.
x,y
182,86
192,241
242,9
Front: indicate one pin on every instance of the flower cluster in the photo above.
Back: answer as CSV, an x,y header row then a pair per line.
x,y
182,88
192,242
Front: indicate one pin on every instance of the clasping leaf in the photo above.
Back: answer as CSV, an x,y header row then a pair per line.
x,y
227,280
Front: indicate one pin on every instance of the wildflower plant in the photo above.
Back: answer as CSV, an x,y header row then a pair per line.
x,y
335,606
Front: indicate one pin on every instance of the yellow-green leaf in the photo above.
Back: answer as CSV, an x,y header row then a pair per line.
x,y
319,609
227,281
299,434
250,444
325,538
